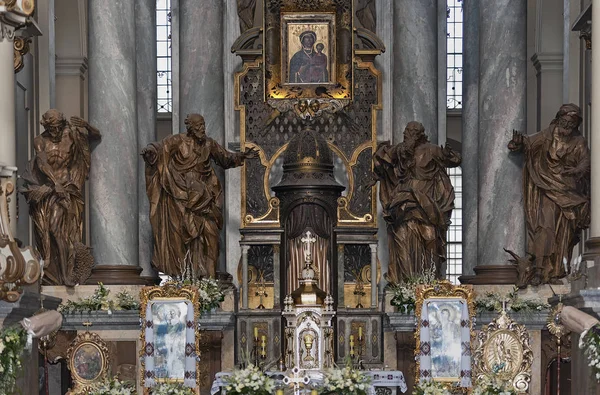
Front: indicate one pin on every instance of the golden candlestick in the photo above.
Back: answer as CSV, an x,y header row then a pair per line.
x,y
263,348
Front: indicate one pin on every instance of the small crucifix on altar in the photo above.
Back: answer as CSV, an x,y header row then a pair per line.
x,y
307,242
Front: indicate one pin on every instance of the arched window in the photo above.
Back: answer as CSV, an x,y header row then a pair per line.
x,y
454,54
454,235
163,57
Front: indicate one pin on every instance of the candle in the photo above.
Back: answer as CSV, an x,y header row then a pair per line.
x,y
360,332
314,392
351,338
279,392
264,339
256,332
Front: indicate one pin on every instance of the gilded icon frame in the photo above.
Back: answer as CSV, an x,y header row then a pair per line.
x,y
504,336
450,297
172,297
278,14
90,341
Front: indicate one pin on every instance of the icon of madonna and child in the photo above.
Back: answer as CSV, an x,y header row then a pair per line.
x,y
309,65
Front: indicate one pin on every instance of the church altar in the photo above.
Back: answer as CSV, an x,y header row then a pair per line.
x,y
298,209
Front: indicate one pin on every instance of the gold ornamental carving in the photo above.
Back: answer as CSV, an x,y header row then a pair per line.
x,y
21,48
503,346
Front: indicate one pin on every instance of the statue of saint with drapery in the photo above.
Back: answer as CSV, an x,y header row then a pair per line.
x,y
556,193
186,198
417,198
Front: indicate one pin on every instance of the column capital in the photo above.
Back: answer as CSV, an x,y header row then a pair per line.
x,y
13,15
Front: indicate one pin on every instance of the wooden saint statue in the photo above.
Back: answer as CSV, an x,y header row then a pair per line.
x,y
417,199
556,192
54,186
186,198
246,10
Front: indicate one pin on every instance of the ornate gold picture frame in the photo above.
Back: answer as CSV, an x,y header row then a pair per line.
x,y
444,332
503,349
170,336
308,49
88,360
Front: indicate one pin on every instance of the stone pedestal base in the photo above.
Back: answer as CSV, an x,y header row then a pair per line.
x,y
592,248
491,274
116,274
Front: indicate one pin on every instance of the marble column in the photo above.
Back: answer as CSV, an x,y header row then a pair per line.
x,y
373,248
548,61
470,133
201,76
593,241
8,148
145,48
114,168
502,101
415,66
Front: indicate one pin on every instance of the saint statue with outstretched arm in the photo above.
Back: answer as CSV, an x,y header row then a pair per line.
x,y
186,198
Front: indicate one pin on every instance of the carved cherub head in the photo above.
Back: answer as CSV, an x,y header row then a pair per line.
x,y
196,126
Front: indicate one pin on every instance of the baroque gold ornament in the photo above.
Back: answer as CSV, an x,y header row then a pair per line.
x,y
504,350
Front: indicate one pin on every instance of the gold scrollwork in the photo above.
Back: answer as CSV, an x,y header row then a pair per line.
x,y
21,47
503,348
442,290
88,360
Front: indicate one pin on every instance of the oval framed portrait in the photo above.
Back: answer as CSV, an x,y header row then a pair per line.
x,y
88,360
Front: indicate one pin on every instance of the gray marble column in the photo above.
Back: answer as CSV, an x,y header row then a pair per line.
x,y
145,32
201,64
114,170
415,66
502,101
201,75
470,133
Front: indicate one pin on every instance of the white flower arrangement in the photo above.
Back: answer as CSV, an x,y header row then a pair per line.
x,y
249,381
404,292
171,388
100,301
491,301
431,388
12,344
211,294
113,386
347,381
589,341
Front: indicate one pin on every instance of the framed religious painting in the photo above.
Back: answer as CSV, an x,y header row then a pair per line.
x,y
444,330
170,336
308,49
88,360
308,45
